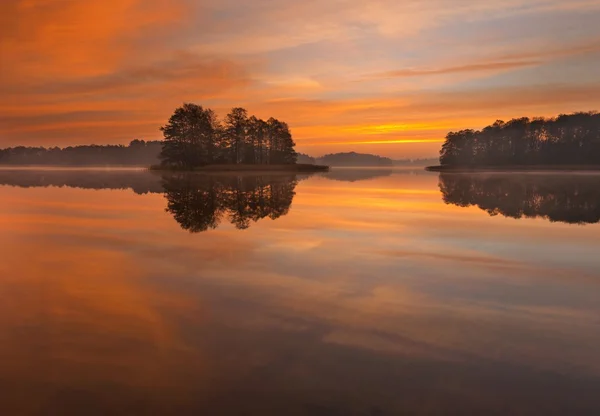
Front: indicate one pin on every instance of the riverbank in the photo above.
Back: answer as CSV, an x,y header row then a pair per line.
x,y
514,168
298,167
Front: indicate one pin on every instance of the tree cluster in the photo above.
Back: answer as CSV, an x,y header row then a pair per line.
x,y
201,203
354,159
569,199
137,153
195,137
306,159
564,140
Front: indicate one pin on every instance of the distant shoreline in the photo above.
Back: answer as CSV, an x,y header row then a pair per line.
x,y
299,167
513,168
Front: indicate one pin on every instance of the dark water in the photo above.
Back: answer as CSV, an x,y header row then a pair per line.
x,y
366,292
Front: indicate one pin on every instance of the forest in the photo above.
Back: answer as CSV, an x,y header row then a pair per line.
x,y
195,137
572,139
137,153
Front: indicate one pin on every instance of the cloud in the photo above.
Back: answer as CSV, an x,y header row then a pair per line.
x,y
120,105
68,38
202,75
490,66
265,25
502,62
342,73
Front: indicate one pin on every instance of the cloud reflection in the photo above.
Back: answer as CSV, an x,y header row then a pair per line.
x,y
361,295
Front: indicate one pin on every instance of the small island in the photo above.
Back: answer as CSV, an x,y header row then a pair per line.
x,y
564,143
244,167
196,140
353,159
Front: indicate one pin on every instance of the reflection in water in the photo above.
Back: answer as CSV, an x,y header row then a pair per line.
x,y
367,298
573,199
357,174
140,181
199,202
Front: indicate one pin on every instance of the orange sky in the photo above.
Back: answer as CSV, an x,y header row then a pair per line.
x,y
385,76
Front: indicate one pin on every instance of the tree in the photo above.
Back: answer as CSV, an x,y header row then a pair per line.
x,y
191,137
281,144
287,153
235,128
257,129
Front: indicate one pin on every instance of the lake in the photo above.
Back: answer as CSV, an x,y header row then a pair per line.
x,y
355,292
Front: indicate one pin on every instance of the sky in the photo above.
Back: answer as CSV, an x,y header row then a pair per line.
x,y
390,77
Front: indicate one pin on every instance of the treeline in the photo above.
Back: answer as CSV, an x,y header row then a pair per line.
x,y
564,140
354,159
137,153
347,159
195,137
200,203
569,199
304,158
415,162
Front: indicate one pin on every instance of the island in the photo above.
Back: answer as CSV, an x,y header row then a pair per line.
x,y
245,167
196,140
353,159
568,142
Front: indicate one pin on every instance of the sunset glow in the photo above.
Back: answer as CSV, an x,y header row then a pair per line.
x,y
386,76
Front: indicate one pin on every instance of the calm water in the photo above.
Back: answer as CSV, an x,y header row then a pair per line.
x,y
358,292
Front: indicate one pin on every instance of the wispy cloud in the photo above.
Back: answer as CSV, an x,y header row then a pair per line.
x,y
483,67
342,73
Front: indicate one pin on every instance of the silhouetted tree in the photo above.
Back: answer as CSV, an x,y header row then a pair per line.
x,y
573,199
281,144
235,131
257,129
565,140
191,137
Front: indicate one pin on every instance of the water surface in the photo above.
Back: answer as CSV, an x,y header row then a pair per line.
x,y
357,292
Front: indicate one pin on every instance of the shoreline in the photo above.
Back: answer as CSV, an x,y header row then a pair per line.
x,y
514,168
295,168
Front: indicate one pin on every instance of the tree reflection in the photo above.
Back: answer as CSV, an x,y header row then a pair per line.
x,y
573,199
201,202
